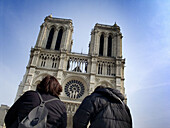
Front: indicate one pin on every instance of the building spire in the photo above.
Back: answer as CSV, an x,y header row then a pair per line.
x,y
115,25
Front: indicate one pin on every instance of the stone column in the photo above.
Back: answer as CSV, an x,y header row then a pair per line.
x,y
62,66
35,58
118,84
119,45
122,79
93,65
96,43
118,75
70,41
115,46
93,73
54,39
63,39
88,66
91,44
112,69
118,68
105,45
105,68
122,75
45,38
62,61
3,111
66,42
41,35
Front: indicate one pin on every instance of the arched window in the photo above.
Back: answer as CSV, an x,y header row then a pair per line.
x,y
101,45
58,42
109,48
50,39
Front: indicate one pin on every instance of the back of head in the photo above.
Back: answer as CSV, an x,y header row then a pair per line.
x,y
98,87
110,92
49,85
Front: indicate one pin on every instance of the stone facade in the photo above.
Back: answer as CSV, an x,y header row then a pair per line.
x,y
79,74
3,111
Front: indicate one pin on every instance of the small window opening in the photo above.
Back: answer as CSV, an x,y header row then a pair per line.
x,y
109,49
101,45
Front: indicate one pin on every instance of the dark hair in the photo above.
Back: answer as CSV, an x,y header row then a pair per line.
x,y
50,85
100,86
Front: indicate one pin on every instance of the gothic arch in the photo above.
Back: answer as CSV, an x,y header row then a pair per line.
x,y
61,27
101,33
111,34
53,26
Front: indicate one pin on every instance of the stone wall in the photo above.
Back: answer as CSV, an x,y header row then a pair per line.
x,y
3,111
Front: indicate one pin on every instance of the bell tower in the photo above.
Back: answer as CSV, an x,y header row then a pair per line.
x,y
53,43
106,41
55,34
105,48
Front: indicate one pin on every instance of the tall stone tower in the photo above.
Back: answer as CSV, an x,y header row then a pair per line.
x,y
79,74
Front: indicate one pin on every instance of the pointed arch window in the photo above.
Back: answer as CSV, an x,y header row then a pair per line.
x,y
58,42
101,45
50,39
109,48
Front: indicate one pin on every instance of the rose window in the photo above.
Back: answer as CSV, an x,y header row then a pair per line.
x,y
74,89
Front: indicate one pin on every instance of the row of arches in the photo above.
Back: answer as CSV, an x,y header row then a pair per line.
x,y
109,46
77,65
105,68
49,61
51,36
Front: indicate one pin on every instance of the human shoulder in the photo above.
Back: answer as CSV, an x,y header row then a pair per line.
x,y
28,98
30,94
88,99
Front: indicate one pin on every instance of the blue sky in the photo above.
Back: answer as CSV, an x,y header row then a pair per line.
x,y
145,25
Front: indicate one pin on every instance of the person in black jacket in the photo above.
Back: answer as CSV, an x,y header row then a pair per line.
x,y
49,88
104,108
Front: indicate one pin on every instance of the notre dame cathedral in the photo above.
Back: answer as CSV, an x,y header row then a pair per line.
x,y
79,74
